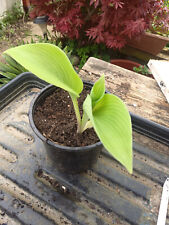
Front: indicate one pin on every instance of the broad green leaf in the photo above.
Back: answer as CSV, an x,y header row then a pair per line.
x,y
49,63
96,93
98,90
112,124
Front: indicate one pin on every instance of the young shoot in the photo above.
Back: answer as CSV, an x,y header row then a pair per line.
x,y
105,112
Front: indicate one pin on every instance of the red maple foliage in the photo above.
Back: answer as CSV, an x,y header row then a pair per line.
x,y
112,22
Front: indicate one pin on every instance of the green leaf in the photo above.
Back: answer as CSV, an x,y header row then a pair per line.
x,y
7,68
4,80
9,75
96,93
98,90
112,124
49,63
14,64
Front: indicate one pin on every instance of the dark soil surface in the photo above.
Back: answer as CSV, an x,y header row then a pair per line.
x,y
56,120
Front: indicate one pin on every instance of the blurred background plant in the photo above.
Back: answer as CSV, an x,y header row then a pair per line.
x,y
9,18
142,69
98,21
83,52
160,19
9,70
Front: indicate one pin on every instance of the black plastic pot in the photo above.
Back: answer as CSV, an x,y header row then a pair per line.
x,y
66,159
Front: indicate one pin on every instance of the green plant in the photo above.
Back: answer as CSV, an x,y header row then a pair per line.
x,y
40,39
106,113
84,52
160,22
9,70
9,18
13,15
142,70
110,22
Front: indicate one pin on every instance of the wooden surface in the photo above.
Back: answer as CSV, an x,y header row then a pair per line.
x,y
141,94
144,56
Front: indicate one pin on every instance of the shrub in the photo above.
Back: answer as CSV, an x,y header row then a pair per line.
x,y
160,23
103,21
9,19
12,15
84,52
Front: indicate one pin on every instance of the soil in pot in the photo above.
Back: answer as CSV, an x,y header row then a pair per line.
x,y
56,120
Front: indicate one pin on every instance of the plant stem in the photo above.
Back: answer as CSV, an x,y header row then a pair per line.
x,y
77,112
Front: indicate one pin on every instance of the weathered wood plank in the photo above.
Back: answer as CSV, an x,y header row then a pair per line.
x,y
141,94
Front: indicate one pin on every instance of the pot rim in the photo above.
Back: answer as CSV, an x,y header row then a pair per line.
x,y
46,140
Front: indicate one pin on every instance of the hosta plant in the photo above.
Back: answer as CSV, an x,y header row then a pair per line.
x,y
105,112
10,68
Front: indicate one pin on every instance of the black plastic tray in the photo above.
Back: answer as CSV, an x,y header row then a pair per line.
x,y
32,191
